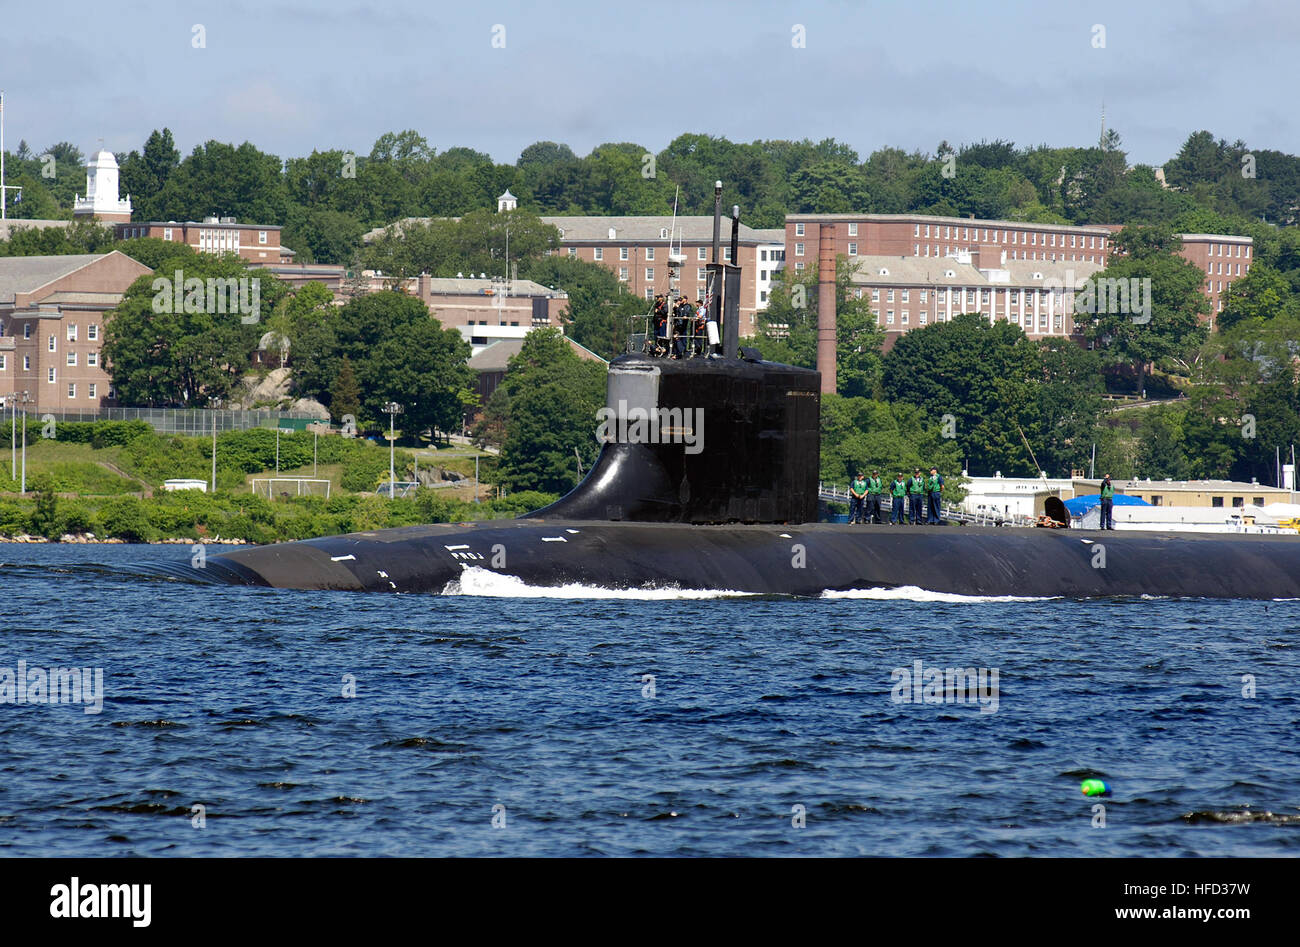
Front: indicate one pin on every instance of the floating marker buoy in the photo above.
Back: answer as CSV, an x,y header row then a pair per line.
x,y
1094,787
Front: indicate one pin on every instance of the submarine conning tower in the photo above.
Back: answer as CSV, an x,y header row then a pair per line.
x,y
698,431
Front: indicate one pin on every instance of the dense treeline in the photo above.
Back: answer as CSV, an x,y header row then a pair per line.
x,y
328,199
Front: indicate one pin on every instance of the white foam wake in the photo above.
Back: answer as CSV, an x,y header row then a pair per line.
x,y
912,593
475,580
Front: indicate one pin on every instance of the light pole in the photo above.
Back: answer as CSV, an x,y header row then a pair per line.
x,y
215,403
13,435
25,397
392,409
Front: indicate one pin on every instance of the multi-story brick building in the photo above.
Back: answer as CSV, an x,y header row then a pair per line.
x,y
1223,259
257,243
907,292
919,236
1007,261
636,250
52,326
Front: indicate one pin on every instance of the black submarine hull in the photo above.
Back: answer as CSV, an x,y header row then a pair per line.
x,y
803,560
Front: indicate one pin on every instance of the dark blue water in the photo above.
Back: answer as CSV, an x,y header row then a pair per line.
x,y
231,698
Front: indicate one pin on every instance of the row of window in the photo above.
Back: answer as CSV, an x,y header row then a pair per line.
x,y
941,294
1227,249
1057,321
701,253
1029,238
92,333
1228,272
92,361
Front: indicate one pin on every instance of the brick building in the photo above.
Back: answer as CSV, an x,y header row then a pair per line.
x,y
636,250
907,292
257,243
1223,259
52,326
919,236
1003,264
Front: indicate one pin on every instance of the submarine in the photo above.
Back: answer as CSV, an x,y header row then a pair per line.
x,y
707,479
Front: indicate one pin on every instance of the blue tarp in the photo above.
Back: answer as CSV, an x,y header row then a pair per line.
x,y
1081,505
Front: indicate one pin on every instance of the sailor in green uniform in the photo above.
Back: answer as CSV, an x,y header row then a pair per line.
x,y
1107,503
934,491
875,486
898,491
915,497
857,497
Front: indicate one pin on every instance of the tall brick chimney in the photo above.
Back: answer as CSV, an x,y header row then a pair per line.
x,y
826,306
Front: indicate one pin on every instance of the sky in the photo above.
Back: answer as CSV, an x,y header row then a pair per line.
x,y
293,76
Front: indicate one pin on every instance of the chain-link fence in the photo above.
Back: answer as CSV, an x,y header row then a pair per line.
x,y
193,421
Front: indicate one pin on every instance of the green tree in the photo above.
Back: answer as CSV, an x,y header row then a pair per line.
x,y
161,358
398,352
787,328
345,395
1166,324
552,398
983,376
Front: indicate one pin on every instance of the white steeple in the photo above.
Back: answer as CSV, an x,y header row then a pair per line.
x,y
507,201
101,198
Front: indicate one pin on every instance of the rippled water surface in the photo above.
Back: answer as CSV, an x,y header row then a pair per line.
x,y
232,699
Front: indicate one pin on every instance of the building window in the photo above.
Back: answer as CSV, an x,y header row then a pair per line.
x,y
924,294
875,295
622,253
904,317
4,362
72,389
27,363
798,230
261,236
72,358
762,297
927,230
798,267
599,253
798,249
72,332
650,273
622,272
54,347
167,233
701,273
853,230
916,230
50,375
853,249
906,294
90,390
701,253
726,254
649,253
92,359
573,251
889,295
889,317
